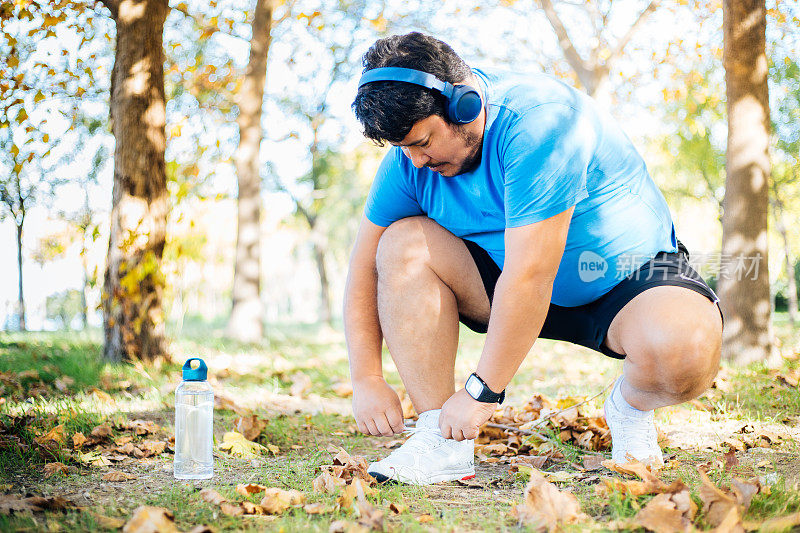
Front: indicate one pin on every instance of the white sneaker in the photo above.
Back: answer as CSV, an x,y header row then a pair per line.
x,y
427,457
631,436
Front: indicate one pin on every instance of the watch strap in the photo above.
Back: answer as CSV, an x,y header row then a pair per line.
x,y
486,394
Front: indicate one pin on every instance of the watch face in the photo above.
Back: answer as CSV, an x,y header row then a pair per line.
x,y
474,387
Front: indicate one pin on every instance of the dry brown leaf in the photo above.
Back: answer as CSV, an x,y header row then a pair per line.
x,y
107,522
231,509
53,438
101,431
142,427
55,468
149,448
250,426
397,508
250,488
534,461
118,476
10,503
717,504
315,508
424,518
301,383
276,501
123,440
326,483
369,516
547,507
338,526
731,523
593,462
212,496
773,525
251,509
78,440
148,519
343,389
663,514
100,395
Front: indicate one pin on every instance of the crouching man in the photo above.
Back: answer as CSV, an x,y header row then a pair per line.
x,y
513,204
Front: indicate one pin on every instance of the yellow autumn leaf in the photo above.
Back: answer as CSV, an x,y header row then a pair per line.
x,y
236,444
39,97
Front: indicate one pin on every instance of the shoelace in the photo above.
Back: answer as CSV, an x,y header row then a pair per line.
x,y
421,439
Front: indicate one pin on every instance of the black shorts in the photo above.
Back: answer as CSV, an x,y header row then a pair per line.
x,y
588,324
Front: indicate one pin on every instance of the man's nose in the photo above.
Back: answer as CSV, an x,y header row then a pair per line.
x,y
415,153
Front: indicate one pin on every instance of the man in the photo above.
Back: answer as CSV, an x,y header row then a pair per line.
x,y
513,204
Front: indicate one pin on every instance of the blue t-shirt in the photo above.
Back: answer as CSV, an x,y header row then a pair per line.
x,y
546,147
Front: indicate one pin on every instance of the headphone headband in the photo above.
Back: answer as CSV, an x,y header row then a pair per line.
x,y
464,104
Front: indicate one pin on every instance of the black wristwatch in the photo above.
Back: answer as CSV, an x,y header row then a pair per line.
x,y
480,391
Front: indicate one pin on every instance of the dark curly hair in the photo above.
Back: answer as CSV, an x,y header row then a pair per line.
x,y
389,109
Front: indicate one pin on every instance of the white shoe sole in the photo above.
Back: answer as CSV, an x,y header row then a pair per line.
x,y
453,475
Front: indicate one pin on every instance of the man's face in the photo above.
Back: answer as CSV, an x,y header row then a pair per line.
x,y
446,149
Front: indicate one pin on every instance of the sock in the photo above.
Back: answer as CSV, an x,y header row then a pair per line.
x,y
623,406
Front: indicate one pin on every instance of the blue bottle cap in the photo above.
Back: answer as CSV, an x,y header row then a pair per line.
x,y
194,374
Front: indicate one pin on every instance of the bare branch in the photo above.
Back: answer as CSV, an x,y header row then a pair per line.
x,y
573,57
635,26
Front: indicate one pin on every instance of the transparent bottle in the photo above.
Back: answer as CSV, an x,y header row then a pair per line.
x,y
194,423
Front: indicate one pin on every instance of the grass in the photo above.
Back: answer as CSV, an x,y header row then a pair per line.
x,y
260,378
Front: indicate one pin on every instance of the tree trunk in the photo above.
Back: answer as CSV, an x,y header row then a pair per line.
x,y
247,313
325,314
791,284
20,298
84,289
744,280
134,284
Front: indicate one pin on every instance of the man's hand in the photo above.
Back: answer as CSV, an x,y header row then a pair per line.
x,y
462,416
376,407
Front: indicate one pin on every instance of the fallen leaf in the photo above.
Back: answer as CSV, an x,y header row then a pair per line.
x,y
107,522
118,476
424,518
63,383
730,459
667,513
338,526
250,426
101,431
301,383
343,389
731,523
212,496
100,395
546,506
78,439
717,504
250,488
773,525
231,509
149,448
593,462
397,508
55,468
54,438
236,444
315,508
327,483
276,501
369,516
148,519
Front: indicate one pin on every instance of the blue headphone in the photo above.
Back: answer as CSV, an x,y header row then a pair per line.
x,y
464,104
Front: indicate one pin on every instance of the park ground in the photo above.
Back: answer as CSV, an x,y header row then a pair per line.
x,y
94,440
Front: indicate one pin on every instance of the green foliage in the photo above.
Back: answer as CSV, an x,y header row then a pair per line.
x,y
64,306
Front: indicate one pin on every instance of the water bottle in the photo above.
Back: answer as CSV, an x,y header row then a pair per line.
x,y
194,423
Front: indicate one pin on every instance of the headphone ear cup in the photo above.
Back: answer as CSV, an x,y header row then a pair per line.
x,y
465,105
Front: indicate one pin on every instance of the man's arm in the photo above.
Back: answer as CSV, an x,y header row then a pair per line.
x,y
376,407
520,305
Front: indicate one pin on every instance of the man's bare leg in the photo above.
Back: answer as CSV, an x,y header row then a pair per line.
x,y
671,337
425,276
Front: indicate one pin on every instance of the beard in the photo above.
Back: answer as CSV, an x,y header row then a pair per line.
x,y
474,142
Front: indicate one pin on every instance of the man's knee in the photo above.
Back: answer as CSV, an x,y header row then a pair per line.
x,y
402,246
688,362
